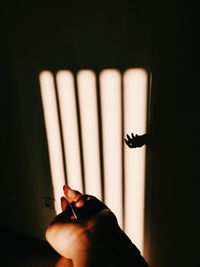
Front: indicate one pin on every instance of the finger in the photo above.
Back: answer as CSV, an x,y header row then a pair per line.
x,y
71,195
64,203
83,199
91,207
132,135
128,137
80,203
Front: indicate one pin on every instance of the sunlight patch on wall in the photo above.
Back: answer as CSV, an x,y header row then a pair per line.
x,y
87,96
69,124
94,154
135,120
53,134
110,91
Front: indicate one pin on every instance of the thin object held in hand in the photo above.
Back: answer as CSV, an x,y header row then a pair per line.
x,y
75,216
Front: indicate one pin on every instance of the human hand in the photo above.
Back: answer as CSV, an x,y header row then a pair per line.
x,y
130,141
94,238
137,140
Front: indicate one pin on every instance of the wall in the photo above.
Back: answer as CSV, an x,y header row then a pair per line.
x,y
121,34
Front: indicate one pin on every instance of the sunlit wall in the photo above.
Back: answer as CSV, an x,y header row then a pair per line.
x,y
87,141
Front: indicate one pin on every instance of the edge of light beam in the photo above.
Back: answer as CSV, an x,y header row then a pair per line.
x,y
53,135
135,111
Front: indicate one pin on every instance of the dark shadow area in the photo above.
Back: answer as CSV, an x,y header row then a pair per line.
x,y
23,250
117,34
135,141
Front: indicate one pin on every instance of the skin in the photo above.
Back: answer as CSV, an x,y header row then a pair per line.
x,y
94,242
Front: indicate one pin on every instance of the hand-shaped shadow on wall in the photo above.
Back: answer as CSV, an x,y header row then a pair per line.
x,y
137,140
